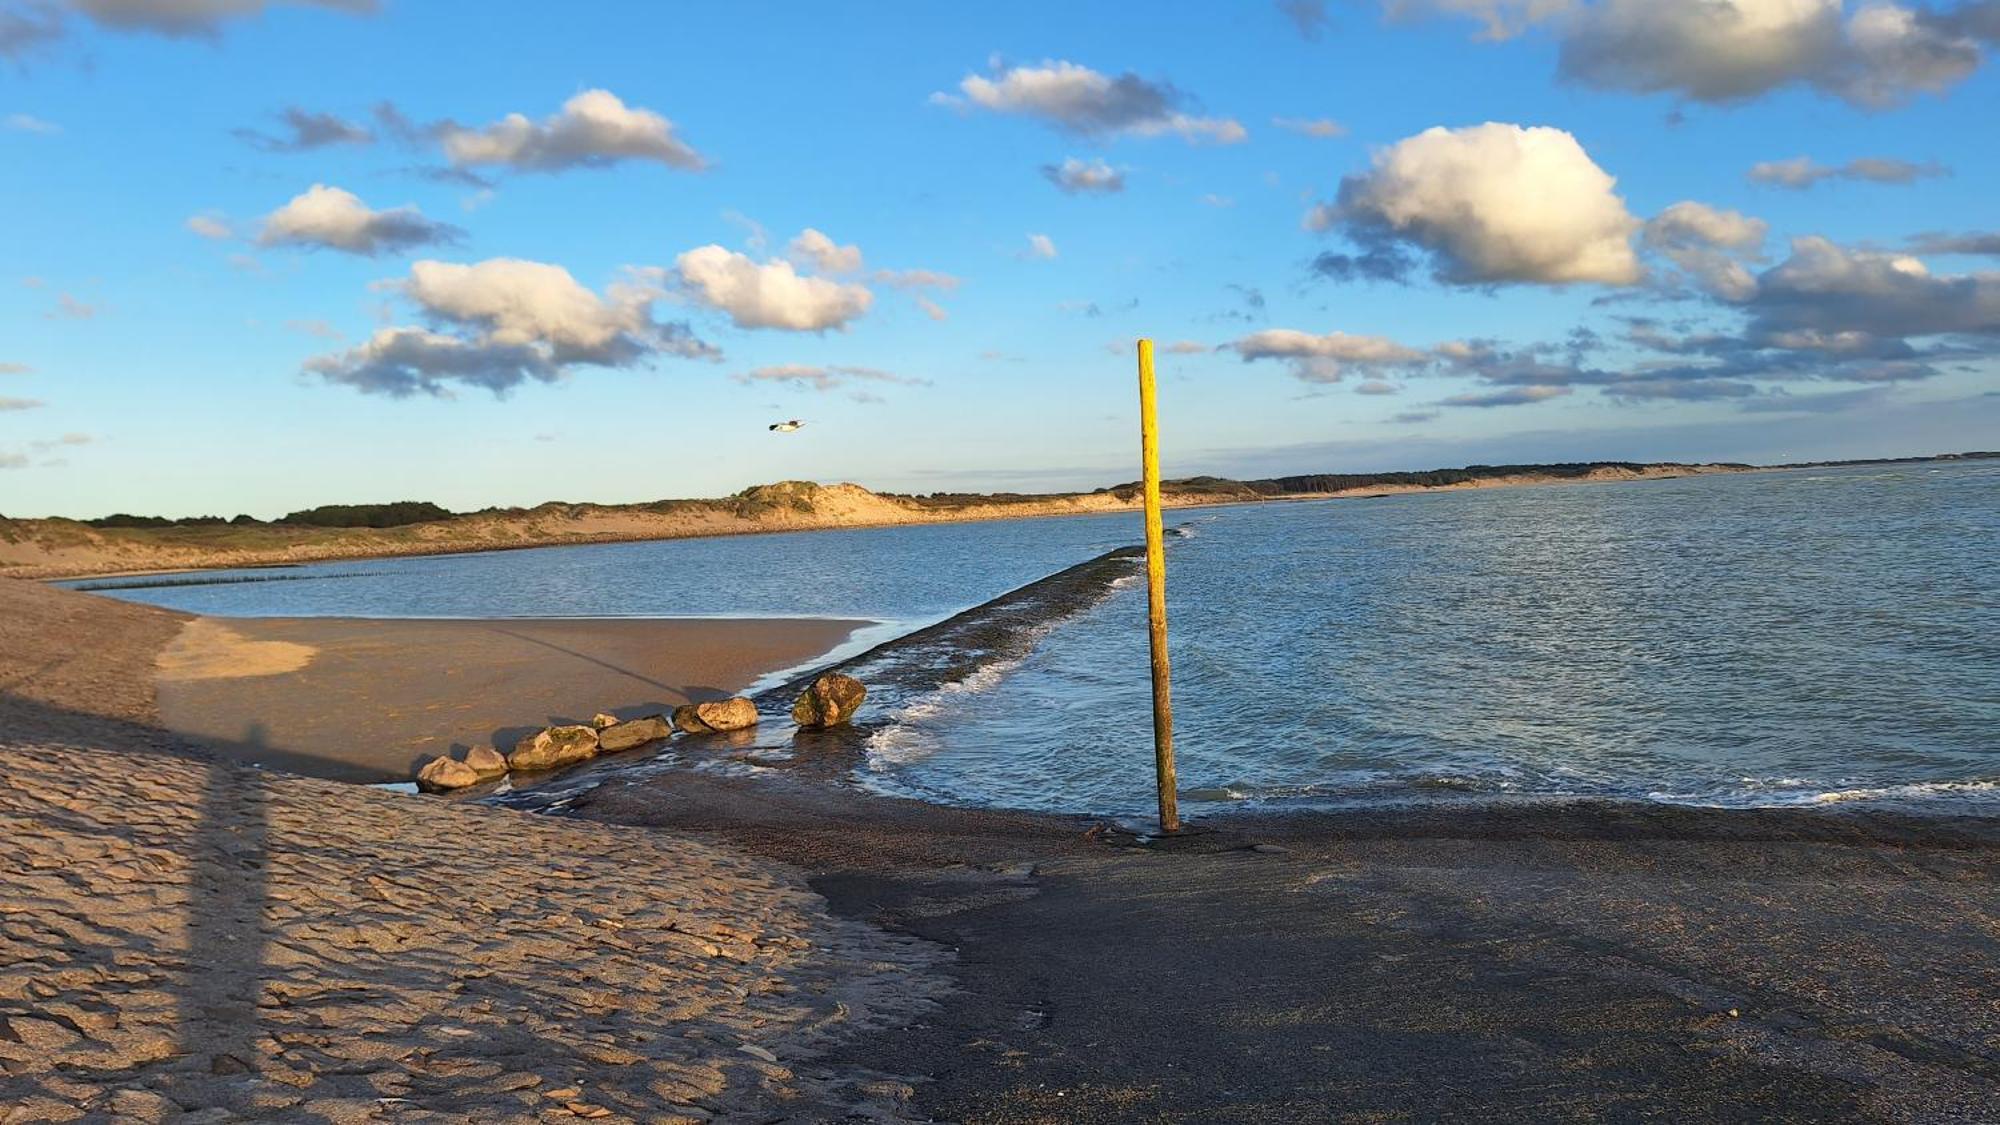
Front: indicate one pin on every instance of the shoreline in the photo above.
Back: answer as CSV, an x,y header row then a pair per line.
x,y
1583,962
1057,506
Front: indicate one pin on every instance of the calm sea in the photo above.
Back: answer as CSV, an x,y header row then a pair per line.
x,y
1799,637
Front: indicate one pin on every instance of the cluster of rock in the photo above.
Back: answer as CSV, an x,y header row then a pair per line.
x,y
830,701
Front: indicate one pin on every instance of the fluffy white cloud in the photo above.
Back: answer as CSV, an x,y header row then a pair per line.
x,y
338,219
1077,176
1319,127
1802,172
1325,358
593,129
1081,100
1041,246
193,18
1711,245
1731,50
505,321
1492,203
769,294
822,253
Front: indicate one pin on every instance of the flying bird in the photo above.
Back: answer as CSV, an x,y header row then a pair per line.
x,y
786,427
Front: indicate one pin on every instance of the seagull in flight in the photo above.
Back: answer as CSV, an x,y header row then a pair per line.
x,y
786,427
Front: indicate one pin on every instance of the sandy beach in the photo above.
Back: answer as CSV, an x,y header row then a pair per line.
x,y
244,943
371,700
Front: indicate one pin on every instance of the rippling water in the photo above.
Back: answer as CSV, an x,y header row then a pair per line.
x,y
1780,638
1796,637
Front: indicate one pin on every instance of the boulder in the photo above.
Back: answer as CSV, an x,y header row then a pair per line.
x,y
442,774
556,746
633,732
831,701
487,762
713,718
603,719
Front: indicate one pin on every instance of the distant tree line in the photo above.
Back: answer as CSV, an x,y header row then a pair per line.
x,y
326,515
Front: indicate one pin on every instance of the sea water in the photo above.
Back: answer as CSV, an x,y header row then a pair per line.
x,y
1820,636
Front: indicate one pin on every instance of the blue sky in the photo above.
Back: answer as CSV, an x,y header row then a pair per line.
x,y
606,301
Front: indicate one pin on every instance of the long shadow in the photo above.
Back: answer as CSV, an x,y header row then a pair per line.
x,y
228,850
585,657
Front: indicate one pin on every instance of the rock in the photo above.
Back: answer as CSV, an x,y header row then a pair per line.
x,y
634,732
712,718
603,719
441,775
486,762
831,701
556,746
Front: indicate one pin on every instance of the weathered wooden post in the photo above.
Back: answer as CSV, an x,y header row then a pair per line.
x,y
1156,598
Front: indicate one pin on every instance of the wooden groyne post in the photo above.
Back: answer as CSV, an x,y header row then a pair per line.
x,y
1156,598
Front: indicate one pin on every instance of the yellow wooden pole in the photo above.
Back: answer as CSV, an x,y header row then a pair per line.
x,y
1156,598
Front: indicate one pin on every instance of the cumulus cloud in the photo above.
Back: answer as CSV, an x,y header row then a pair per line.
x,y
1802,172
1711,245
821,252
1079,176
1040,246
1824,288
828,378
1490,203
1734,50
330,217
501,322
1324,358
1080,100
14,404
769,294
1319,127
593,130
303,130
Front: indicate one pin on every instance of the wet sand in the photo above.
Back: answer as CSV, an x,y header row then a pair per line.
x,y
371,700
1576,962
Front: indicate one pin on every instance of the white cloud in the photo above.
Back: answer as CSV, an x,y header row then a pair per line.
x,y
208,224
932,309
1040,246
1325,358
13,404
1802,172
1081,100
15,369
1711,245
338,219
817,250
769,294
1186,347
594,129
1079,176
1492,203
27,123
193,18
1732,50
1322,128
504,321
1824,290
